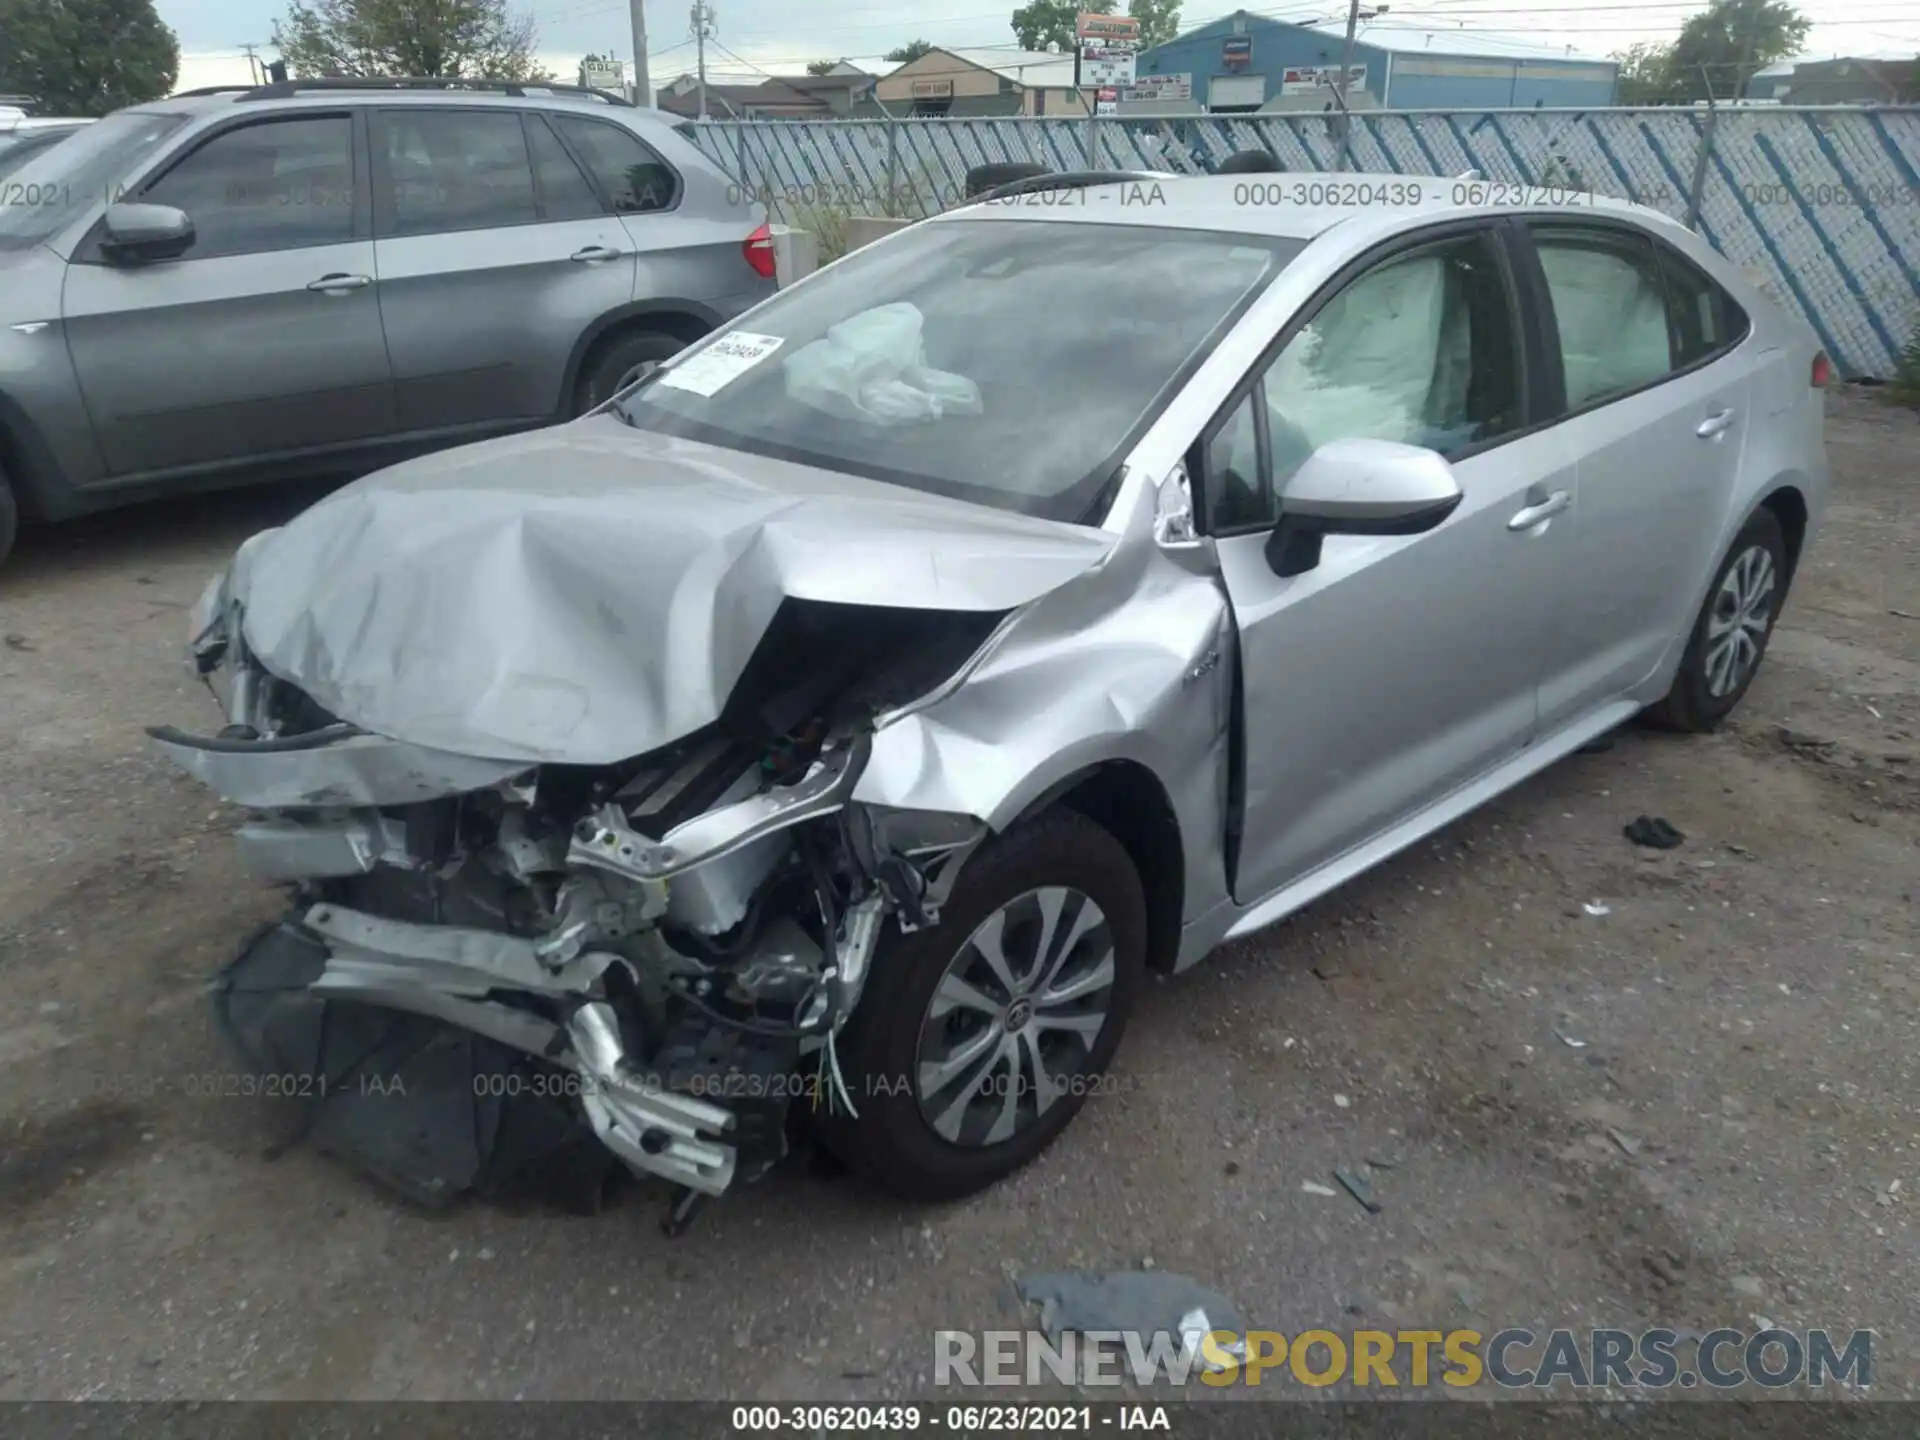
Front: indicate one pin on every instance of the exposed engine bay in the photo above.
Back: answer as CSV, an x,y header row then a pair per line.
x,y
494,975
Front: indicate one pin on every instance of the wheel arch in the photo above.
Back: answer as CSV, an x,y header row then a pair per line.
x,y
686,320
28,467
1129,802
1788,502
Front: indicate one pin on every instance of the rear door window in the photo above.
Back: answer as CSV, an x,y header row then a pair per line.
x,y
634,180
455,170
1610,309
1705,319
565,193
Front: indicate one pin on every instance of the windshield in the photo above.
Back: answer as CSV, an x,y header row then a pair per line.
x,y
17,149
1007,362
60,182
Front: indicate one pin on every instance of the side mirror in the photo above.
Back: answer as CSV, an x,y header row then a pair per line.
x,y
1359,487
140,234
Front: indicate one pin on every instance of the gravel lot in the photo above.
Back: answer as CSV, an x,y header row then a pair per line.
x,y
1734,1137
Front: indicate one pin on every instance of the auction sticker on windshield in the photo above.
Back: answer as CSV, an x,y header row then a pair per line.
x,y
721,363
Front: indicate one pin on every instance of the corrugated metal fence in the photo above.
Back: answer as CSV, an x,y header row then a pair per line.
x,y
1820,205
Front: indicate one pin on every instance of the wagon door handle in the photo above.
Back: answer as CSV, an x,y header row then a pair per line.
x,y
1713,424
1548,508
596,252
337,283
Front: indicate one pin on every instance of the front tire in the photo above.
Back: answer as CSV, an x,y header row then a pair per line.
x,y
976,1041
1730,635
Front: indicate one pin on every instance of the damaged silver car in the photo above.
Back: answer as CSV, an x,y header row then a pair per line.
x,y
837,727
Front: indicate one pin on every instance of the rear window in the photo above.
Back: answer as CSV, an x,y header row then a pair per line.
x,y
1007,362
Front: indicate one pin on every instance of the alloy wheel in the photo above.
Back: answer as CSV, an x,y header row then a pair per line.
x,y
1738,622
634,374
1012,1024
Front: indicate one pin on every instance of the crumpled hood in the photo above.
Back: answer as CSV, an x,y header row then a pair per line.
x,y
591,592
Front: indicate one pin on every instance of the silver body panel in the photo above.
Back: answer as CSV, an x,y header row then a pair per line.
x,y
595,592
276,358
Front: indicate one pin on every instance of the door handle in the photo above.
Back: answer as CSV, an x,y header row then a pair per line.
x,y
596,252
1713,424
338,284
1548,508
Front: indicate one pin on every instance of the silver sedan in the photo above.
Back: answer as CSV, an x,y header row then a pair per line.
x,y
827,735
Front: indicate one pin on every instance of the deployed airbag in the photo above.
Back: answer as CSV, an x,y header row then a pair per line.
x,y
872,366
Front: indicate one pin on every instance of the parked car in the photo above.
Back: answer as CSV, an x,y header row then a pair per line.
x,y
22,136
857,710
238,285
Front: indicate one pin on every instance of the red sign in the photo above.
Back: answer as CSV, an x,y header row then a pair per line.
x,y
1106,27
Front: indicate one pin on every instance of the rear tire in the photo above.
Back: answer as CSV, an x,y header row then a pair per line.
x,y
982,178
9,518
1249,162
1028,891
620,363
1730,634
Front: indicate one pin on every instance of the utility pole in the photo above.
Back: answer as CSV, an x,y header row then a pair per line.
x,y
642,82
702,26
1340,80
253,68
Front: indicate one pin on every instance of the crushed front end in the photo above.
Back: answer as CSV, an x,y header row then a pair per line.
x,y
496,976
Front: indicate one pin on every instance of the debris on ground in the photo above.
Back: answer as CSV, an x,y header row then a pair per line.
x,y
1654,833
1594,907
1143,1302
18,642
1360,1188
1626,1142
1805,744
1568,1040
1314,1187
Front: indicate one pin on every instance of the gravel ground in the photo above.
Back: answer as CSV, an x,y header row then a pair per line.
x,y
1732,1138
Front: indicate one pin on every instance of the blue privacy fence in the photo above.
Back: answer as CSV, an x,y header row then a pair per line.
x,y
1821,206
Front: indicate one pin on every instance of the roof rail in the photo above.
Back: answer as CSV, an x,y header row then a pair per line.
x,y
285,89
206,90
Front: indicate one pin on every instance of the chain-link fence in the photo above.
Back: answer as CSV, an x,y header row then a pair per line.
x,y
1821,206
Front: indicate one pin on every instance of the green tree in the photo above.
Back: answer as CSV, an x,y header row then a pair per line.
x,y
1645,74
464,39
1720,48
821,67
1159,20
909,52
86,57
1050,22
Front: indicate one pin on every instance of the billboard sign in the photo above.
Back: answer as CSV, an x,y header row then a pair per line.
x,y
1309,79
1106,28
1102,63
1160,87
602,74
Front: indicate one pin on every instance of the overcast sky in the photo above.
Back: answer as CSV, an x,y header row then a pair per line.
x,y
752,37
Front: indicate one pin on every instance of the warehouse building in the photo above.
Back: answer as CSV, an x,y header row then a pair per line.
x,y
1245,64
